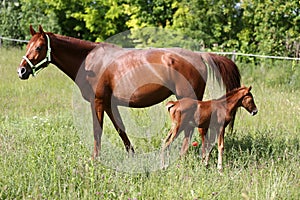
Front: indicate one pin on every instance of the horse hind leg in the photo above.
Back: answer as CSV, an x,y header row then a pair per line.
x,y
114,115
220,149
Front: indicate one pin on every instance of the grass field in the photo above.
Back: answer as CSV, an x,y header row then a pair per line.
x,y
43,156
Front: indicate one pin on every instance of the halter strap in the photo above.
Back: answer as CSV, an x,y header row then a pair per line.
x,y
36,68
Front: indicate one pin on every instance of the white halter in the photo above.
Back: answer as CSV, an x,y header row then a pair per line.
x,y
35,68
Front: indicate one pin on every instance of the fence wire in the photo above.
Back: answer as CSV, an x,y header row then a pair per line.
x,y
221,53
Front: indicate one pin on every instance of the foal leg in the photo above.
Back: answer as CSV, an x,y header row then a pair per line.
x,y
173,133
114,115
97,114
188,132
202,132
207,145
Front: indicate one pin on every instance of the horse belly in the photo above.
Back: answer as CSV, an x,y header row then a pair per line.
x,y
143,96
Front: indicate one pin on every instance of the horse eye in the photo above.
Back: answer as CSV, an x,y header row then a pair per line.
x,y
39,48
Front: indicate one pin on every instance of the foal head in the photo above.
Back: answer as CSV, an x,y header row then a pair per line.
x,y
247,101
37,54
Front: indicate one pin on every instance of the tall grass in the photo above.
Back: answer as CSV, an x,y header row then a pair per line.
x,y
43,156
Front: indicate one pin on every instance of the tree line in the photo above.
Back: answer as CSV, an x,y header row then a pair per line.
x,y
267,27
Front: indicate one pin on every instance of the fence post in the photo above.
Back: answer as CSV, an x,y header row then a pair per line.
x,y
233,56
297,51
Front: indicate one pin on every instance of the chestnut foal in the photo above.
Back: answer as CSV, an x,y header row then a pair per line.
x,y
214,115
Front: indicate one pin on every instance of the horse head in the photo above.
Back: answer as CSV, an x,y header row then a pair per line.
x,y
37,54
248,102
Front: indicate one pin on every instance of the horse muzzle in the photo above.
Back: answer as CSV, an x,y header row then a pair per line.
x,y
23,73
254,112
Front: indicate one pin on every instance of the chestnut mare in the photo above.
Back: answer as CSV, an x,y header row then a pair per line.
x,y
109,76
188,113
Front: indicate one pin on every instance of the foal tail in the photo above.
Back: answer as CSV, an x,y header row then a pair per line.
x,y
225,71
169,105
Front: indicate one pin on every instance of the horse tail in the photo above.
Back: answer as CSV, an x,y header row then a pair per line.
x,y
169,105
226,72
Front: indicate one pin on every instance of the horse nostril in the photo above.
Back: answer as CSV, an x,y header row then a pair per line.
x,y
21,71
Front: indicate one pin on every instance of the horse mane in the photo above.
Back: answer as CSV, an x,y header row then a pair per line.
x,y
230,93
72,39
83,45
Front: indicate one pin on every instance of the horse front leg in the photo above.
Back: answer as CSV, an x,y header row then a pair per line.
x,y
220,148
97,113
114,115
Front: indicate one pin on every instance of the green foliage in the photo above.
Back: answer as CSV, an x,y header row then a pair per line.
x,y
213,23
35,13
265,27
63,10
9,19
150,37
270,27
157,13
17,15
102,18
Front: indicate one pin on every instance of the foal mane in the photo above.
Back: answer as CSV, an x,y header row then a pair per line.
x,y
230,93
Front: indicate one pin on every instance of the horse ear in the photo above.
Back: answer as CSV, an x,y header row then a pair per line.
x,y
41,30
249,88
32,31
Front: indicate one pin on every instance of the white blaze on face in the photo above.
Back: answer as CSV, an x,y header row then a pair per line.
x,y
30,47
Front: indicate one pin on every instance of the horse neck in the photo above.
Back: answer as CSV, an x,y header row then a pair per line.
x,y
69,53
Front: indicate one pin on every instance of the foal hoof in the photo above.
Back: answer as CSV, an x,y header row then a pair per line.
x,y
205,163
164,166
221,171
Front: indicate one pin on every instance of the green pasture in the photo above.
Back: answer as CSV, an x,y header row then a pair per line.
x,y
45,155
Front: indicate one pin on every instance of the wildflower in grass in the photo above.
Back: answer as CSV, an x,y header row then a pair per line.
x,y
195,143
